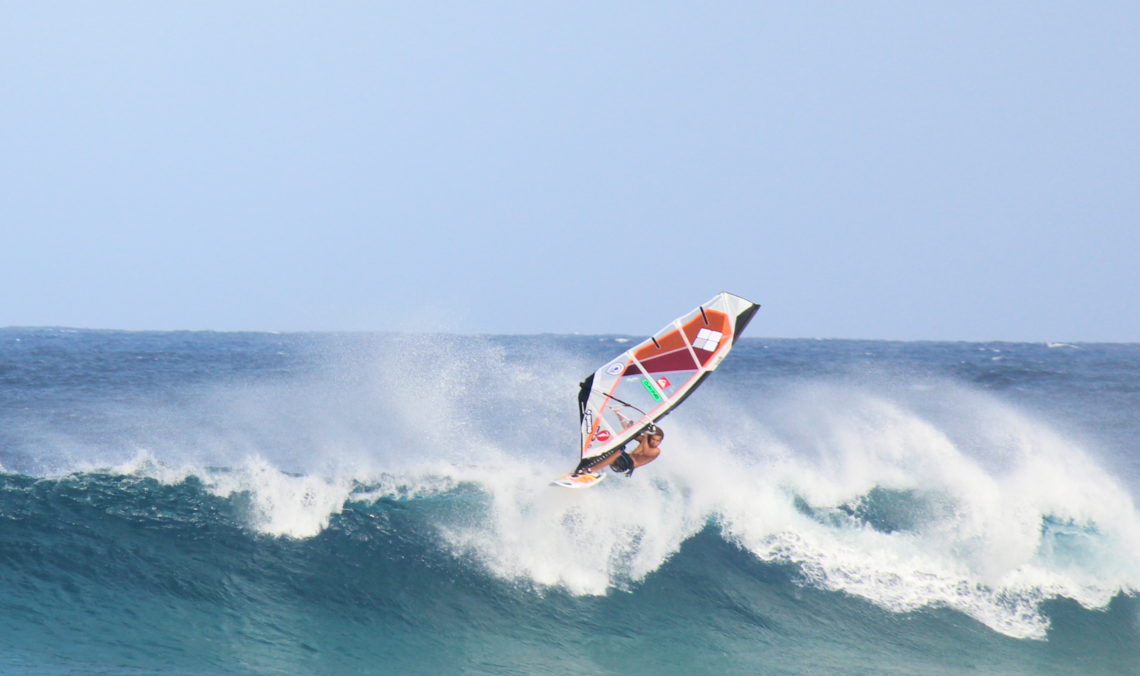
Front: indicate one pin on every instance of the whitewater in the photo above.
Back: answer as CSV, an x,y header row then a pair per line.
x,y
195,502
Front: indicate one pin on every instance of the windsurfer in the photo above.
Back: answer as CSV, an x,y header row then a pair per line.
x,y
648,448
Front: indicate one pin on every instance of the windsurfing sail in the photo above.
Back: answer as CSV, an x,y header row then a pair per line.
x,y
646,382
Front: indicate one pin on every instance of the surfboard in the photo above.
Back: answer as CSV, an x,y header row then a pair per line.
x,y
646,382
584,480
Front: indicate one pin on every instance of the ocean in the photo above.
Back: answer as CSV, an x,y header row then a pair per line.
x,y
259,503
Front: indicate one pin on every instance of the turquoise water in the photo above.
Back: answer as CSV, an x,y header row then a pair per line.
x,y
323,503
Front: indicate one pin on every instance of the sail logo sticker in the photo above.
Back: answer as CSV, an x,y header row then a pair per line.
x,y
708,340
651,390
664,382
615,368
603,436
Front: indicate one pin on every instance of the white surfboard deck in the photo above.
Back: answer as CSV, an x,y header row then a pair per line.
x,y
584,480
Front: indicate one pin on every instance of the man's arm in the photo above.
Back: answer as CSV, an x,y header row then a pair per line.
x,y
626,423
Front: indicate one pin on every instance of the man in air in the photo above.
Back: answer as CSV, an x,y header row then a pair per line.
x,y
648,448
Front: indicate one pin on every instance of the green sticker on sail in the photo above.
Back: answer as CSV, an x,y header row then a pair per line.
x,y
651,389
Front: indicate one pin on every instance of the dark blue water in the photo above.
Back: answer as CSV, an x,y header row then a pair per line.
x,y
259,503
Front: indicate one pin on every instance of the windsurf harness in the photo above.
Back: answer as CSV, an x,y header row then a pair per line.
x,y
646,382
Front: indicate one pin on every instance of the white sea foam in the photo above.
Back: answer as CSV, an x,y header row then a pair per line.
x,y
280,503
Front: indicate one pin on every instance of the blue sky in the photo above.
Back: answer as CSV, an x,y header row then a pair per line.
x,y
901,170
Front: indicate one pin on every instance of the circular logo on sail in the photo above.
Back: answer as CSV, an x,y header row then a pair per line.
x,y
602,436
615,368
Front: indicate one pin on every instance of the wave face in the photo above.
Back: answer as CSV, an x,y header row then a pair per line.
x,y
253,503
